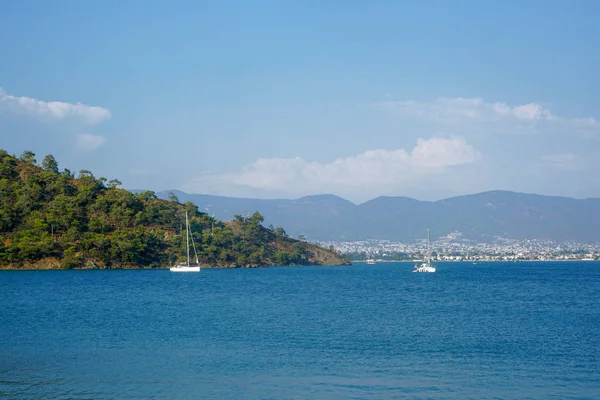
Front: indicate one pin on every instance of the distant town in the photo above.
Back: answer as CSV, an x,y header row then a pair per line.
x,y
447,250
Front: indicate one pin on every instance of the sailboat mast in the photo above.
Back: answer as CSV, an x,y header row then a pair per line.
x,y
428,248
187,238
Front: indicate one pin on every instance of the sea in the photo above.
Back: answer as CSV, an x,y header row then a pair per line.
x,y
525,330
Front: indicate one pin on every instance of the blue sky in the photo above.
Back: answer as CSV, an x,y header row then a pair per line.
x,y
426,99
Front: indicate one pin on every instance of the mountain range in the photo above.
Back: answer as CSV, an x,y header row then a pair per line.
x,y
481,217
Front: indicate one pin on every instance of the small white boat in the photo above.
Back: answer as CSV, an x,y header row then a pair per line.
x,y
186,266
371,261
426,265
183,267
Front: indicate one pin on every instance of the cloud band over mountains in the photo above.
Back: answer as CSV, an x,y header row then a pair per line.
x,y
473,152
371,169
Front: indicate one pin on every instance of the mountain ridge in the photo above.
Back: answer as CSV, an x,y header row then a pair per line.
x,y
484,216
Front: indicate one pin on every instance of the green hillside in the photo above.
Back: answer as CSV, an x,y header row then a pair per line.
x,y
50,219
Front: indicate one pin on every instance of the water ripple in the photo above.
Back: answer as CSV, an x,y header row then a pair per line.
x,y
524,330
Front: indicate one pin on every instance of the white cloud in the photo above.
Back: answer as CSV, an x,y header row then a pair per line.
x,y
52,110
89,142
452,110
373,170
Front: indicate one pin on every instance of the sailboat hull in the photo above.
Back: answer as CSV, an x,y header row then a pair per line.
x,y
184,268
424,269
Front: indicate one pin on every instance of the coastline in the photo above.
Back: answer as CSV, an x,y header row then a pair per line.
x,y
57,267
210,266
475,261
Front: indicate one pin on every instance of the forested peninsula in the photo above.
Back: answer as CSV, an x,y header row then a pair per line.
x,y
52,219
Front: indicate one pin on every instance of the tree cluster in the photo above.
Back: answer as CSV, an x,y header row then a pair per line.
x,y
84,220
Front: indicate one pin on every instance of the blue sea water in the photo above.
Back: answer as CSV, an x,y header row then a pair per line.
x,y
495,330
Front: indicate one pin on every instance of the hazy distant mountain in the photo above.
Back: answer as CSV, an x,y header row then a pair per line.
x,y
481,217
314,216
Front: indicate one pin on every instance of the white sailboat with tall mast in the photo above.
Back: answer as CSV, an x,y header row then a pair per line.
x,y
426,265
186,266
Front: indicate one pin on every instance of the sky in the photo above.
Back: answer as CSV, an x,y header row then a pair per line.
x,y
282,99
